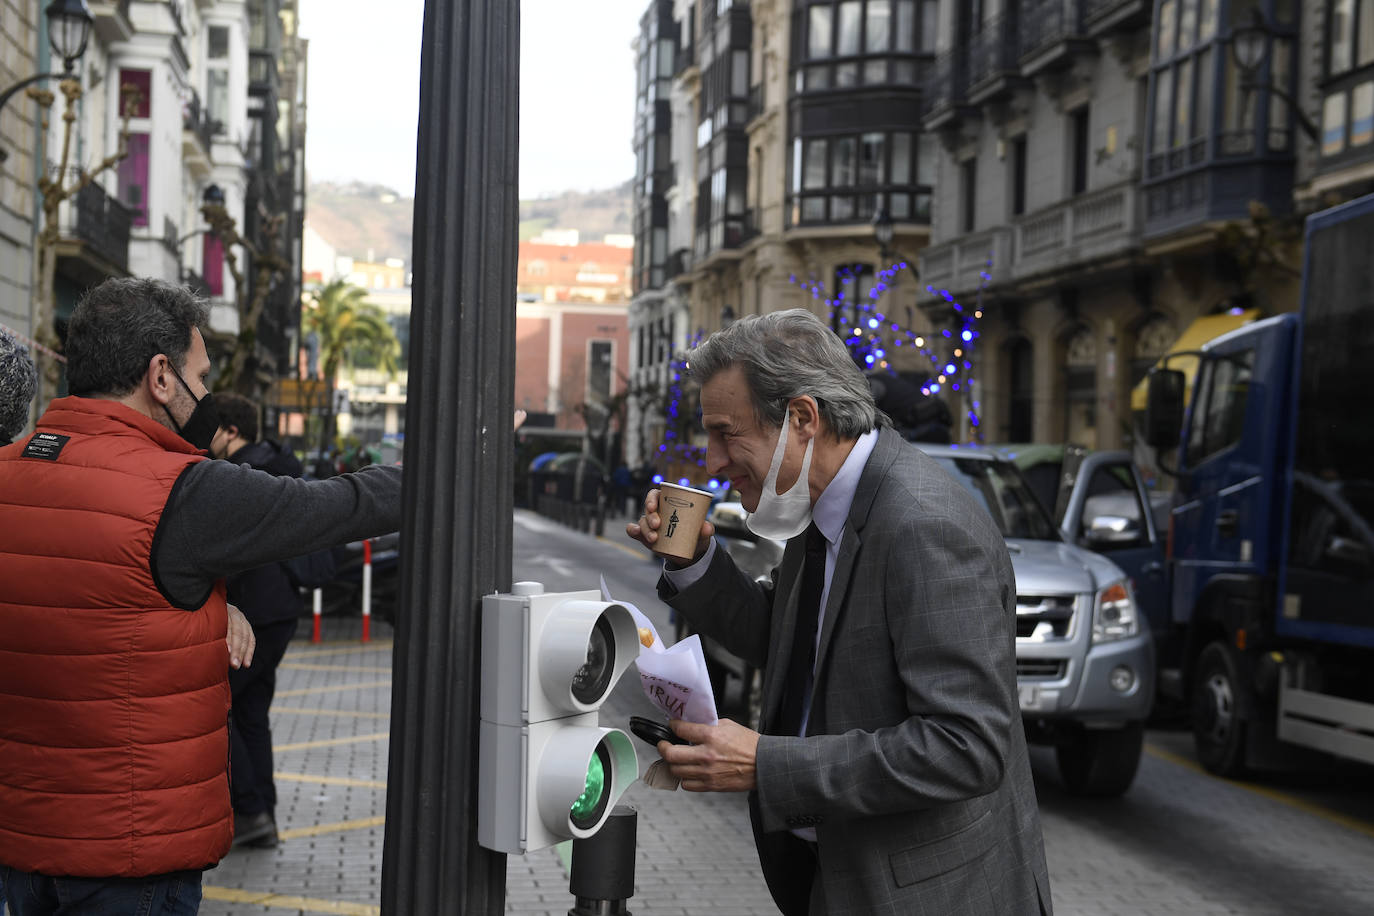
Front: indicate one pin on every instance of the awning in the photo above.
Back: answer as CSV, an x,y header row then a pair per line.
x,y
1198,333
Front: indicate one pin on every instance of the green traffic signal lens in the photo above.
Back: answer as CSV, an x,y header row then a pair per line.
x,y
591,804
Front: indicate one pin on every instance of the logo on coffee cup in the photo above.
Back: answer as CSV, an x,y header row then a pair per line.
x,y
672,524
680,501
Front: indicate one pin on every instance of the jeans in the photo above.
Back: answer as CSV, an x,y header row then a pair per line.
x,y
173,894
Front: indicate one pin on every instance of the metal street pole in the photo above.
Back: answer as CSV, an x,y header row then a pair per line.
x,y
456,524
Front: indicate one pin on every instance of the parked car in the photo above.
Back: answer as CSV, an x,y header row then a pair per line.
x,y
1084,654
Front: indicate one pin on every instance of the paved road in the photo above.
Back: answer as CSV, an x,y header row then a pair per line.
x,y
1180,842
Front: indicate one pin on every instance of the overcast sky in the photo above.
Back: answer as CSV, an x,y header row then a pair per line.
x,y
576,92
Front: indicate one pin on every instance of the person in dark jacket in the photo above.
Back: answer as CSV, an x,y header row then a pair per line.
x,y
272,604
117,531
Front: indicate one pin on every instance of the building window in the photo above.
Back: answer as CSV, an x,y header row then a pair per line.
x,y
968,189
864,42
1018,175
1079,148
600,355
845,177
1362,114
141,83
1350,36
1333,124
133,178
212,262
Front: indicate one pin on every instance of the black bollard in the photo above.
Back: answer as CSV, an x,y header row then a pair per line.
x,y
602,877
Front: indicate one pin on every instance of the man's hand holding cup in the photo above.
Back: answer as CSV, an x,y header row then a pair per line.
x,y
671,514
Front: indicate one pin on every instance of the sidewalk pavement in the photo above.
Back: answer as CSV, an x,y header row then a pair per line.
x,y
330,727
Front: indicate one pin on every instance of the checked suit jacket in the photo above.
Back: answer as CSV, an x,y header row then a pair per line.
x,y
914,771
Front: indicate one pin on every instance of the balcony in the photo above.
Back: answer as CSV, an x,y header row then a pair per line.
x,y
197,136
756,98
1089,228
994,67
967,263
93,236
1052,35
112,23
943,94
1106,17
679,263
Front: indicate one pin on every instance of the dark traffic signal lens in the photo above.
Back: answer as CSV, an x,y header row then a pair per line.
x,y
593,678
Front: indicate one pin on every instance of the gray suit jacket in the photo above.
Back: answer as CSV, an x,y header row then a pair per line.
x,y
914,770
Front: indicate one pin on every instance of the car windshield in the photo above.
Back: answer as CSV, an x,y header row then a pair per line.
x,y
1001,491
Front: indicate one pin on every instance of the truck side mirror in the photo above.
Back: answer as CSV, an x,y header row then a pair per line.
x,y
1164,408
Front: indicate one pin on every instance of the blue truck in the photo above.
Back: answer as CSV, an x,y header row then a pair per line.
x,y
1270,633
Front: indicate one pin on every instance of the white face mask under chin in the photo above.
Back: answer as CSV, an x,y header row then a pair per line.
x,y
783,515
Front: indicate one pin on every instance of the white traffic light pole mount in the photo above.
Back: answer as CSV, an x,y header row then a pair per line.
x,y
548,771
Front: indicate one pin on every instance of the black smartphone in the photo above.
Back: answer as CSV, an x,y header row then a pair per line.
x,y
654,732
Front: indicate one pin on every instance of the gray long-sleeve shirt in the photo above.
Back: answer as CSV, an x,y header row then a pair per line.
x,y
223,518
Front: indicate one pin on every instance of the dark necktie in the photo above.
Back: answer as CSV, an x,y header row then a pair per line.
x,y
802,659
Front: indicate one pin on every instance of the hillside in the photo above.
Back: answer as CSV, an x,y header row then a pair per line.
x,y
370,222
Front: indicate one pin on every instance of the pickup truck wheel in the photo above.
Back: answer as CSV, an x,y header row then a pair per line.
x,y
1218,732
1101,763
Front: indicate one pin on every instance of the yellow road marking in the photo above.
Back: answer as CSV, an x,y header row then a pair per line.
x,y
370,669
329,780
1272,794
301,711
330,742
345,647
360,824
282,901
304,691
639,553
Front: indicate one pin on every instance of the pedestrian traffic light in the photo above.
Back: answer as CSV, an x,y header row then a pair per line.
x,y
547,770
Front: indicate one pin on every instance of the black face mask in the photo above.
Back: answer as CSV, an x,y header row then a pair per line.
x,y
203,423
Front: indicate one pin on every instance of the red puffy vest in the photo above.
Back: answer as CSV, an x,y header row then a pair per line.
x,y
114,705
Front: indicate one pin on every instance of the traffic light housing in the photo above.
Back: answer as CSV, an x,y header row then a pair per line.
x,y
547,770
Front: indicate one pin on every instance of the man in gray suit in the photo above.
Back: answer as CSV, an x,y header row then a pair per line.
x,y
891,774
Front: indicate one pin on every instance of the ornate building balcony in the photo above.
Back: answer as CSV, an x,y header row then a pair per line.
x,y
1089,228
994,67
963,265
1052,34
944,93
1105,17
93,236
197,137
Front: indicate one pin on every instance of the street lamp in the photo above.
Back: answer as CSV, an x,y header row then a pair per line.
x,y
69,29
882,229
1249,45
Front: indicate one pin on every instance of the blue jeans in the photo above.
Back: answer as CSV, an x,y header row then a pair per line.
x,y
30,894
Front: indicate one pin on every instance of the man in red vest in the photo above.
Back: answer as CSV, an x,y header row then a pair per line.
x,y
117,535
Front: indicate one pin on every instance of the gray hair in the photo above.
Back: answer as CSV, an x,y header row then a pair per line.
x,y
120,325
18,382
785,355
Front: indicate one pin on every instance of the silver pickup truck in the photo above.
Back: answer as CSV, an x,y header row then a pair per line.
x,y
1084,656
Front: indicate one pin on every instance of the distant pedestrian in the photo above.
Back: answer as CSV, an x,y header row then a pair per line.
x,y
621,483
890,773
272,604
117,534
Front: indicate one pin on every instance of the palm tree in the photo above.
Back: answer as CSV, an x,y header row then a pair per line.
x,y
347,329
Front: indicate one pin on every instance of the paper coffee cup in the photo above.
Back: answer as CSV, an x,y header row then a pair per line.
x,y
681,512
